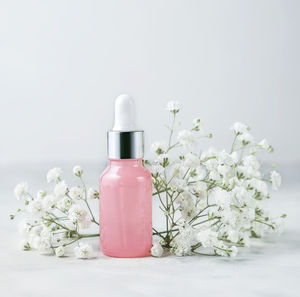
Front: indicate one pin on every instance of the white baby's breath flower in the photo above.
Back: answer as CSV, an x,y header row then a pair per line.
x,y
35,207
210,153
60,189
75,193
207,237
214,175
157,250
49,202
78,215
232,235
240,128
260,186
187,139
221,197
41,194
77,170
196,121
24,228
246,138
173,106
65,203
163,160
159,148
233,251
200,189
251,161
198,125
60,251
21,190
83,251
263,144
54,175
156,169
225,158
275,179
92,193
24,245
191,160
234,157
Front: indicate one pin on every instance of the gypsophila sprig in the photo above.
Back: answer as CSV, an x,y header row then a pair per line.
x,y
212,201
58,219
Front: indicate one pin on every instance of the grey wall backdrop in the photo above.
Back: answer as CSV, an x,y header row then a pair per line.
x,y
63,62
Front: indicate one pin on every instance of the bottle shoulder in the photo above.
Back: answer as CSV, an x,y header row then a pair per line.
x,y
119,172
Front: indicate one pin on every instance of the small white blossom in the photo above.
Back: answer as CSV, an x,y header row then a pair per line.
x,y
210,153
156,169
211,164
65,203
221,197
200,189
24,245
41,194
240,128
75,193
42,243
49,202
233,251
157,250
159,148
187,139
78,215
214,175
163,160
178,184
198,125
83,251
275,179
35,207
60,189
92,194
260,186
234,157
173,106
246,138
191,160
251,161
263,144
24,228
54,175
77,170
60,251
21,190
207,237
233,235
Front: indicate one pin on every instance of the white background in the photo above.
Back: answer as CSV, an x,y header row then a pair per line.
x,y
62,63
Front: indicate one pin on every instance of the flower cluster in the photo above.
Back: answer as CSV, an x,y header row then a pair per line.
x,y
54,221
212,200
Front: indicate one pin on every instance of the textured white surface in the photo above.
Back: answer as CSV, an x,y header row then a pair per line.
x,y
269,268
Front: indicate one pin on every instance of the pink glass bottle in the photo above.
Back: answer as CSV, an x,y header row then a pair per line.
x,y
125,190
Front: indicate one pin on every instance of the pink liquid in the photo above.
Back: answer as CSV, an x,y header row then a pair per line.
x,y
126,209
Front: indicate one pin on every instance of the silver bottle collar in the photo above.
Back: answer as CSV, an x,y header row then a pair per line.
x,y
125,144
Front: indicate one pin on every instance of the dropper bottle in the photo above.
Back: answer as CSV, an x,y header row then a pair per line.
x,y
125,189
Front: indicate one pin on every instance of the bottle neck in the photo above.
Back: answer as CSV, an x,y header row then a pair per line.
x,y
126,162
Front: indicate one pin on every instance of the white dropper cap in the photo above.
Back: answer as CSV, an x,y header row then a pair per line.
x,y
124,141
124,114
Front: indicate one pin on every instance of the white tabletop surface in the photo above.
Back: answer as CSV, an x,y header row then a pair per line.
x,y
269,268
